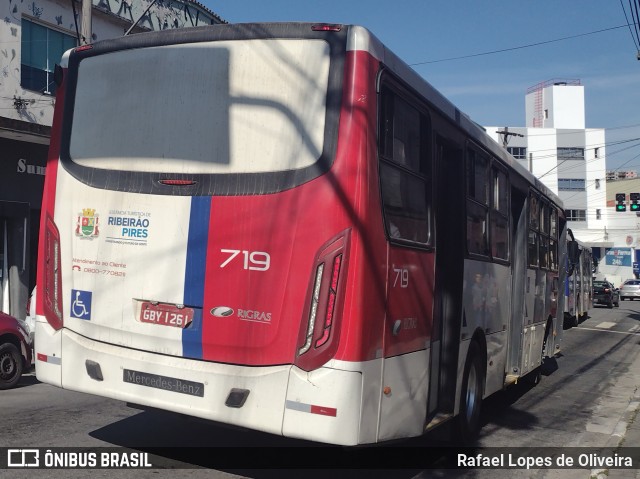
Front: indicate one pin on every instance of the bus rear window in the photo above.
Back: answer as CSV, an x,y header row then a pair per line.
x,y
202,108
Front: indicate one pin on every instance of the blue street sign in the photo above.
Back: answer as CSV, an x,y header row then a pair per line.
x,y
618,256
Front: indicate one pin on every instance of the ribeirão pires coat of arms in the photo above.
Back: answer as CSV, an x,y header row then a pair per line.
x,y
87,224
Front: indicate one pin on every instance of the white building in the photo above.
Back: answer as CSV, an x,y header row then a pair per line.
x,y
571,161
33,36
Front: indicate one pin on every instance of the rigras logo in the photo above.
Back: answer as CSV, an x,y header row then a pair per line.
x,y
242,314
222,311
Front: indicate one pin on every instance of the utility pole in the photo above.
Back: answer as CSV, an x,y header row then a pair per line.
x,y
505,136
86,21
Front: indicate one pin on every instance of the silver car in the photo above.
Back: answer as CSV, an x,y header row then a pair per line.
x,y
630,289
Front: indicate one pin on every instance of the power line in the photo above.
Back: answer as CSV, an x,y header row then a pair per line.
x,y
635,8
520,47
636,43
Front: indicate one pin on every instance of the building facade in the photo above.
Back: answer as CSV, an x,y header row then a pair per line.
x,y
571,161
33,37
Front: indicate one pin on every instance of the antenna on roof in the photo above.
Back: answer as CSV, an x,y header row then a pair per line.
x,y
139,18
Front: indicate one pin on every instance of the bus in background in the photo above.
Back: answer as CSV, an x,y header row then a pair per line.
x,y
578,283
284,227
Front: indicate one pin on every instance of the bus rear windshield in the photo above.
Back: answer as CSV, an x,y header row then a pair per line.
x,y
249,106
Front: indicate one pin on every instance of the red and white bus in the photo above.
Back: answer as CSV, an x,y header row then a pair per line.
x,y
284,227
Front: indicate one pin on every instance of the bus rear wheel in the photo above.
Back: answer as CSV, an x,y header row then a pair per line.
x,y
471,396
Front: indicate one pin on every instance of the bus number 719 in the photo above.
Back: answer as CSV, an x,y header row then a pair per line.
x,y
253,260
402,277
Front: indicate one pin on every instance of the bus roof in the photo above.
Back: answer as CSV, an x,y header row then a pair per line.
x,y
359,38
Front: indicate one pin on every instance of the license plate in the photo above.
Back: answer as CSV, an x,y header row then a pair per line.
x,y
166,314
163,382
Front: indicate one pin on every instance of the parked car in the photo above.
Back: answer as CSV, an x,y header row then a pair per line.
x,y
606,293
630,289
16,350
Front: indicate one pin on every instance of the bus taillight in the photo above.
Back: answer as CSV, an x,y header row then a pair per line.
x,y
333,292
326,27
318,339
313,310
52,276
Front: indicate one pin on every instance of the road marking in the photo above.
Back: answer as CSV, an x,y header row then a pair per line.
x,y
606,325
634,329
630,333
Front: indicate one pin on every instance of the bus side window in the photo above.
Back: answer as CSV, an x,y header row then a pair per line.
x,y
477,230
553,240
534,213
534,236
500,215
544,239
477,202
404,147
398,151
533,249
405,208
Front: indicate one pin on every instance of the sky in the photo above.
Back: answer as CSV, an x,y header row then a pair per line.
x,y
431,35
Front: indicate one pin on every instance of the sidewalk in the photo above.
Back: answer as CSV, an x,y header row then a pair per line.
x,y
626,432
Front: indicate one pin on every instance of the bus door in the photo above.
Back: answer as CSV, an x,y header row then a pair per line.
x,y
405,183
450,253
519,308
535,282
14,258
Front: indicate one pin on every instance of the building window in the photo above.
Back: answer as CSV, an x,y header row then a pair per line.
x,y
518,152
598,214
570,153
596,152
571,184
546,114
576,215
42,49
597,183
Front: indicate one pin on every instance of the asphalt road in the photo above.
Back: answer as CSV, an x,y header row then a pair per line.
x,y
578,403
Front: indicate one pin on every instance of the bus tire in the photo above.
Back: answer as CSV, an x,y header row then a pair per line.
x,y
10,366
471,396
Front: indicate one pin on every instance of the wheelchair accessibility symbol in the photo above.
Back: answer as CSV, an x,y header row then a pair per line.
x,y
80,304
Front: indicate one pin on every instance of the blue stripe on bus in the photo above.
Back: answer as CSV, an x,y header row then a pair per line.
x,y
195,274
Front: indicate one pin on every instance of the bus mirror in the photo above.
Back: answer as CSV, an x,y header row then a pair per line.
x,y
573,251
57,75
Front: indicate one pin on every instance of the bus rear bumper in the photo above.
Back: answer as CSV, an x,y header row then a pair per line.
x,y
323,405
47,353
